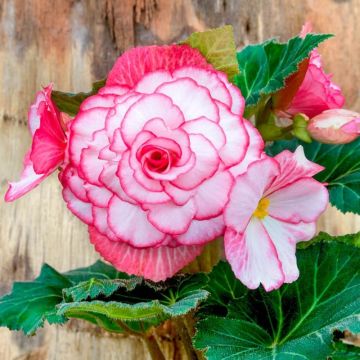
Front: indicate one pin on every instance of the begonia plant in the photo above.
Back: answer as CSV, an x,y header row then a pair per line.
x,y
192,152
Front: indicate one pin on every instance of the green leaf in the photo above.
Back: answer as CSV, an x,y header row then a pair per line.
x,y
99,320
223,287
265,67
144,304
342,169
98,270
350,239
70,103
96,287
296,321
31,303
218,47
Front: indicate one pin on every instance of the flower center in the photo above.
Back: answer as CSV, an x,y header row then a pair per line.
x,y
262,209
157,159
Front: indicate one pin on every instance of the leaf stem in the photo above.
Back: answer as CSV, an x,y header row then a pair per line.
x,y
153,347
185,338
148,338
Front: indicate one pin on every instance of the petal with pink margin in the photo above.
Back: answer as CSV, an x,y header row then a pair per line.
x,y
178,196
147,108
285,236
43,96
83,210
207,163
150,81
194,100
253,257
238,101
98,196
170,218
208,79
202,231
115,90
212,195
82,129
237,138
293,166
116,116
29,179
156,263
247,191
134,189
254,151
69,177
130,224
100,216
96,101
110,180
211,130
90,163
303,200
179,135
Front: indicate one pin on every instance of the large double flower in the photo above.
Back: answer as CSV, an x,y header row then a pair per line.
x,y
152,158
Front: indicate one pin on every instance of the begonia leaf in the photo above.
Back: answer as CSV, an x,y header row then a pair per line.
x,y
31,303
295,322
265,67
69,103
218,47
144,303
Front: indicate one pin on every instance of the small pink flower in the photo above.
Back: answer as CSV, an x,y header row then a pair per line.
x,y
152,159
337,126
317,92
47,127
272,206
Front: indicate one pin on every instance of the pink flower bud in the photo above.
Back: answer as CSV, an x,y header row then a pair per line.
x,y
336,126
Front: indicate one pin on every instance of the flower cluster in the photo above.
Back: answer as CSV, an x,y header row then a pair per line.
x,y
161,162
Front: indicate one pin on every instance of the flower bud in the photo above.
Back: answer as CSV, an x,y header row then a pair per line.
x,y
336,126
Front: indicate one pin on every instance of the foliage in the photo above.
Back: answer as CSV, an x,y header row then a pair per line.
x,y
265,67
101,295
70,102
291,322
218,47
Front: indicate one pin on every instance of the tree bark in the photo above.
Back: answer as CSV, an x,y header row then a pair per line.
x,y
74,42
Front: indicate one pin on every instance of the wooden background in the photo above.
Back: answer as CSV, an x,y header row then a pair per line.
x,y
72,43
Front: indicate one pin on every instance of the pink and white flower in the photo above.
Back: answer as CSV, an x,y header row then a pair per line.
x,y
317,92
337,126
272,206
152,158
47,127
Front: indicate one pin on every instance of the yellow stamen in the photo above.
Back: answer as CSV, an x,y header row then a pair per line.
x,y
262,210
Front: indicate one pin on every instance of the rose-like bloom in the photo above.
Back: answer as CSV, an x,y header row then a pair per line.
x,y
47,128
337,126
272,206
152,158
317,92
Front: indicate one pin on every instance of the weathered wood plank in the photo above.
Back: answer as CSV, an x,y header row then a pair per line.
x,y
75,42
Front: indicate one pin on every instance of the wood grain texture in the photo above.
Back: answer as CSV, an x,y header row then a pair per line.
x,y
72,43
